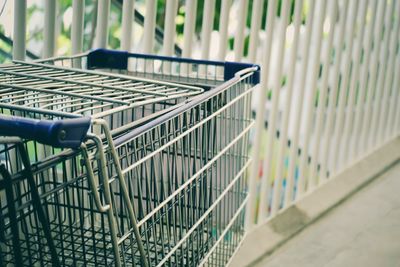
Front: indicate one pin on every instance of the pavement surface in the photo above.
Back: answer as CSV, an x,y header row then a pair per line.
x,y
362,231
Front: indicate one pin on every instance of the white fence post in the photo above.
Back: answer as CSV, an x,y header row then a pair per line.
x,y
103,12
169,31
223,28
190,24
364,140
19,31
77,26
251,210
208,22
344,83
128,10
333,92
256,16
344,149
272,121
383,112
149,26
49,40
362,87
394,112
379,89
240,30
288,104
294,146
395,126
323,93
309,112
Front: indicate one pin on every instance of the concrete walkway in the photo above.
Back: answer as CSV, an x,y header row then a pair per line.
x,y
362,231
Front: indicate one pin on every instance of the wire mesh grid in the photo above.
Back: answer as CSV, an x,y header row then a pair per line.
x,y
61,92
196,72
185,174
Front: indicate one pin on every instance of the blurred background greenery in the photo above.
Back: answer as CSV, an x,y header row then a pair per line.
x,y
35,15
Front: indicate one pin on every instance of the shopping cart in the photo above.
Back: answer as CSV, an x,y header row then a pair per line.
x,y
169,192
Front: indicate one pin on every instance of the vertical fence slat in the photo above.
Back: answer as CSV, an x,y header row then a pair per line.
x,y
309,111
348,118
379,88
103,12
272,121
188,30
364,140
294,144
149,26
169,31
223,28
240,30
128,9
383,112
394,119
251,211
344,83
333,92
288,104
256,16
19,30
49,31
77,26
362,87
395,129
208,22
323,92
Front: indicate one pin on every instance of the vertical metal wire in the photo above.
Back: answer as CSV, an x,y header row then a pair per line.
x,y
251,211
240,30
128,9
272,121
77,26
188,30
19,30
294,144
288,105
149,26
386,103
49,31
223,28
103,12
256,16
362,87
323,93
169,30
344,83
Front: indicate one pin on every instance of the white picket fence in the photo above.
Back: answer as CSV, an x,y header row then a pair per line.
x,y
331,70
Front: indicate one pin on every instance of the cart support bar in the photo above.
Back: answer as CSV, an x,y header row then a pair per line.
x,y
67,133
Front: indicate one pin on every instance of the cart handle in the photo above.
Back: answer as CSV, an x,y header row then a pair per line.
x,y
68,133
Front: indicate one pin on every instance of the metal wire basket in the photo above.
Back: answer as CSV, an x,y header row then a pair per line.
x,y
170,192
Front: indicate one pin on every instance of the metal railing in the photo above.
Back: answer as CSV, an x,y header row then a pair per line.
x,y
329,87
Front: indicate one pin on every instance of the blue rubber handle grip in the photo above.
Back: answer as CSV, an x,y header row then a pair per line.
x,y
68,133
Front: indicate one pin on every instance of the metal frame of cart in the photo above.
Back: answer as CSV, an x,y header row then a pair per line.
x,y
170,190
